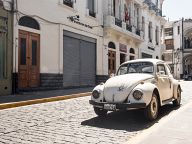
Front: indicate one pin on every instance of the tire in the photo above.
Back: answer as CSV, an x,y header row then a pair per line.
x,y
177,101
151,111
100,112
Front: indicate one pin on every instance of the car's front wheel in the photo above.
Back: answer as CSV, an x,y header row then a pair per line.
x,y
100,112
177,101
151,111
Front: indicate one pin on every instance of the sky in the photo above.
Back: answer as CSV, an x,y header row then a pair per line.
x,y
176,9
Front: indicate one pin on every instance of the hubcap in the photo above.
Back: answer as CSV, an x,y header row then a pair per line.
x,y
154,106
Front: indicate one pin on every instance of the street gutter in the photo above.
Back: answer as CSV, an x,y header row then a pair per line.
x,y
43,100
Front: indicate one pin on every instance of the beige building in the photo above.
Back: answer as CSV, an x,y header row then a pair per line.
x,y
178,47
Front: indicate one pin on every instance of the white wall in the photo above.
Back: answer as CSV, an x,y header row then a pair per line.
x,y
52,17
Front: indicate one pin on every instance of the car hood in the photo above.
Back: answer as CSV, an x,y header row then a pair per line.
x,y
117,88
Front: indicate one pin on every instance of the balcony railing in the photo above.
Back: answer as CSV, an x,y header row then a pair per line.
x,y
92,13
118,22
153,7
138,32
68,3
129,27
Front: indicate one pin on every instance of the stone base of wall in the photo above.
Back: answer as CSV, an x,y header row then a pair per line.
x,y
50,82
101,78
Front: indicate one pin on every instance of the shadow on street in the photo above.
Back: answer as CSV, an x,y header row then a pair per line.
x,y
133,120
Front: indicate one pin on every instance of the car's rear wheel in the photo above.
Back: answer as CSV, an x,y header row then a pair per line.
x,y
100,112
151,111
177,101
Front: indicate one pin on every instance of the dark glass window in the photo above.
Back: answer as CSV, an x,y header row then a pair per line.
x,y
34,52
91,7
23,52
111,45
168,31
68,3
29,22
132,51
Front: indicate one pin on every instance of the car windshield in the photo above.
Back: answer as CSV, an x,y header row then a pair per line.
x,y
137,67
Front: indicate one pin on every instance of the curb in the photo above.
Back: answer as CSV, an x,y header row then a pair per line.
x,y
43,100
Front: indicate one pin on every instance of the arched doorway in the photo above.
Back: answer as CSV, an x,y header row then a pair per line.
x,y
188,65
28,54
111,58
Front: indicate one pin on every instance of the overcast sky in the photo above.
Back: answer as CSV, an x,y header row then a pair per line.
x,y
176,9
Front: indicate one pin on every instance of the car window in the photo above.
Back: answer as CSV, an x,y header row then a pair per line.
x,y
137,67
160,68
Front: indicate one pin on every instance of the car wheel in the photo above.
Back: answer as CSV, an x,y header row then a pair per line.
x,y
177,101
151,112
100,112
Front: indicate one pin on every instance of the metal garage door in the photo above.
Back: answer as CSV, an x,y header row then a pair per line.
x,y
79,60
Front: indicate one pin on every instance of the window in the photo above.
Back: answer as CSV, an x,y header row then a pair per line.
x,y
150,31
169,44
111,45
29,22
68,3
178,30
157,35
161,68
91,7
168,31
143,26
3,48
136,67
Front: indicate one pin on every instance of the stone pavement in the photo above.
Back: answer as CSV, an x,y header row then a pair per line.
x,y
175,129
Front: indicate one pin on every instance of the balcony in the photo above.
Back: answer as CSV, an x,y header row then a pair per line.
x,y
114,25
68,3
118,22
92,13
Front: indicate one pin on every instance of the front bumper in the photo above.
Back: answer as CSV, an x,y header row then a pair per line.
x,y
117,106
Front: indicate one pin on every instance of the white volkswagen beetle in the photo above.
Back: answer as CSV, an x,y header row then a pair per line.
x,y
142,83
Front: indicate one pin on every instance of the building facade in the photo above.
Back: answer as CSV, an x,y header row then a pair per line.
x,y
67,43
178,46
58,44
132,29
6,30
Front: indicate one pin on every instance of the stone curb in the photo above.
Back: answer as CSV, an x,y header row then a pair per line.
x,y
43,100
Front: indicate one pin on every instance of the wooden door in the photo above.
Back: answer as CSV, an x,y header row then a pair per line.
x,y
29,60
111,62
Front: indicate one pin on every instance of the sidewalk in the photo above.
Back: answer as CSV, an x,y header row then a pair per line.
x,y
174,129
42,96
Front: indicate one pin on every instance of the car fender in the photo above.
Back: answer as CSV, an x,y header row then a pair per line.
x,y
147,89
176,85
99,88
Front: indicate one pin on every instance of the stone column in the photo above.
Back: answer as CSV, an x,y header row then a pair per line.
x,y
140,18
132,13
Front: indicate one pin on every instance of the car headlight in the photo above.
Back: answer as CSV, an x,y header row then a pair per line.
x,y
137,94
95,94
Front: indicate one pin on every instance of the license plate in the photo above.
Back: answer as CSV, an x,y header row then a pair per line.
x,y
110,107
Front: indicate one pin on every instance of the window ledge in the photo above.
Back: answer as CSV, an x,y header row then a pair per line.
x,y
67,7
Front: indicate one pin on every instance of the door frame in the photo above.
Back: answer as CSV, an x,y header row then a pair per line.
x,y
29,65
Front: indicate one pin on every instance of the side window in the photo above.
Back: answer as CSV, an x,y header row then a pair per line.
x,y
161,67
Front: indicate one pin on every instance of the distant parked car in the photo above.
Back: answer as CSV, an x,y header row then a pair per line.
x,y
142,83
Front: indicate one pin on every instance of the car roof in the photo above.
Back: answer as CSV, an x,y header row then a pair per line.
x,y
154,61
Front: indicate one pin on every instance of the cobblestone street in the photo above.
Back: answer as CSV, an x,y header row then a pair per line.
x,y
74,121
